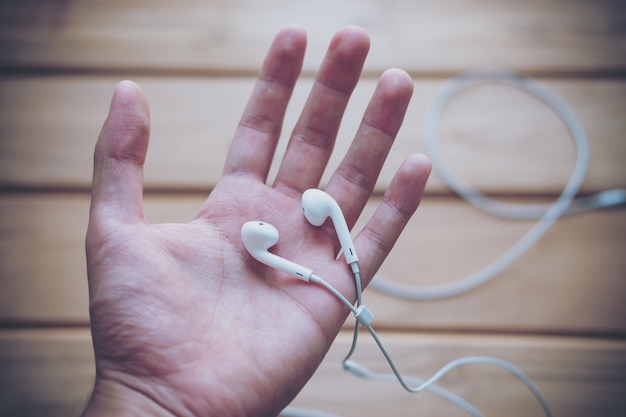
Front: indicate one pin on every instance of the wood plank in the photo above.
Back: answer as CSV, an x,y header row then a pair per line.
x,y
564,284
42,259
51,372
48,127
140,35
571,282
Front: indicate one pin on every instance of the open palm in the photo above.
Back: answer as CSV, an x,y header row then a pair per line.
x,y
184,320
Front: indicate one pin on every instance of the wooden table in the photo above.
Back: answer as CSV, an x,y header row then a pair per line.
x,y
558,313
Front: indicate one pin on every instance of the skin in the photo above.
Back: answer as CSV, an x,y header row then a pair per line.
x,y
184,321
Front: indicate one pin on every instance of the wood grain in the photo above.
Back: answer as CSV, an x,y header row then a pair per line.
x,y
53,370
194,36
44,274
495,137
47,372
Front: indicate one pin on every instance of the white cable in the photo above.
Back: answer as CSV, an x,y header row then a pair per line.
x,y
426,385
547,215
354,368
364,317
305,412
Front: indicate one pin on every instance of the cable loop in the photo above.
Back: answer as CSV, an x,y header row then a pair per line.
x,y
546,215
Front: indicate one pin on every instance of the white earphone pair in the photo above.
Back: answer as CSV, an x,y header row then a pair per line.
x,y
318,206
259,236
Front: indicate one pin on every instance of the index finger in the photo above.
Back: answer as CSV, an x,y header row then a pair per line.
x,y
260,126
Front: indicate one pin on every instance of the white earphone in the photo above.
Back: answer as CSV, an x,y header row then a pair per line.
x,y
317,207
259,236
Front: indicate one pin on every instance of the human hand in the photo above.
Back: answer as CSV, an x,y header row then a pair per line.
x,y
184,321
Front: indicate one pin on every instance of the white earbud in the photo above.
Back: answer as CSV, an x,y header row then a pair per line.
x,y
258,237
317,207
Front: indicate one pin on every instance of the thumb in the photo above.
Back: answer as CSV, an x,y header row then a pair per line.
x,y
119,156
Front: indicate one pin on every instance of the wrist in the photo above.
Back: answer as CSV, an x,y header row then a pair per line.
x,y
112,398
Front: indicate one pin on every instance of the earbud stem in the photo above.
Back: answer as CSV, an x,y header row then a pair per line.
x,y
285,265
349,252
